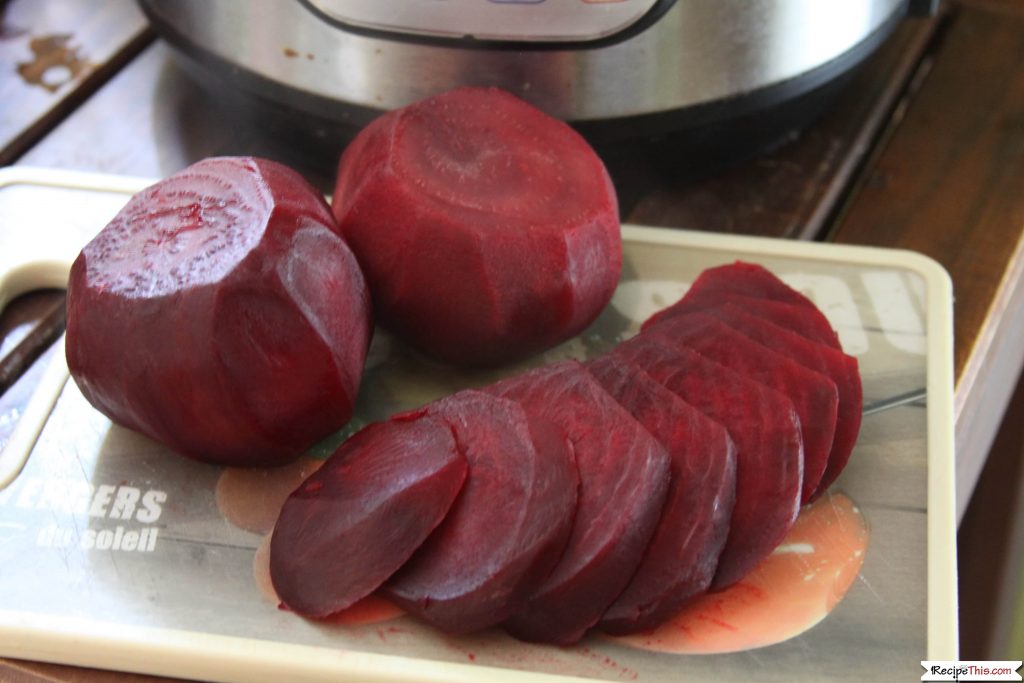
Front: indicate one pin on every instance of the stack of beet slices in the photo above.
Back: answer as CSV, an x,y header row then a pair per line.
x,y
601,495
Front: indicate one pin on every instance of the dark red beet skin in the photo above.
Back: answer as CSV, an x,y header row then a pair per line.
x,y
487,230
840,368
814,395
769,452
509,525
681,558
221,313
624,477
358,518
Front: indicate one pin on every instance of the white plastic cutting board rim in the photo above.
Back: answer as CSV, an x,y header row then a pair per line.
x,y
88,642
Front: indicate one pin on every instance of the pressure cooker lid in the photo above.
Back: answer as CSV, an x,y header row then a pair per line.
x,y
511,23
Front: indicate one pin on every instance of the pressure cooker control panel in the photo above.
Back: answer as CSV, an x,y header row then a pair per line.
x,y
533,21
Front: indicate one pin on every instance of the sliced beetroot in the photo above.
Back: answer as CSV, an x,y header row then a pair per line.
x,y
487,230
801,320
775,299
508,527
681,558
220,313
750,279
358,518
769,453
839,367
624,476
813,394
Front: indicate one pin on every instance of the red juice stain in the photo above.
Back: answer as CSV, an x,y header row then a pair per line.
x,y
369,610
624,673
383,633
793,589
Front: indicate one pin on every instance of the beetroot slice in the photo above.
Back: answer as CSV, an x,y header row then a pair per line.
x,y
221,313
487,230
358,518
813,394
624,476
681,558
508,527
769,453
801,320
839,367
775,299
750,279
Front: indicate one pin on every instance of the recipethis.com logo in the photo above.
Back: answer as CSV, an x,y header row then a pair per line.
x,y
117,517
970,671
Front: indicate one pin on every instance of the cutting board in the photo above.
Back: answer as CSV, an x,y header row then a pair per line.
x,y
119,554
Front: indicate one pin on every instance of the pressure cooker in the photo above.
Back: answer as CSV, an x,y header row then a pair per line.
x,y
610,67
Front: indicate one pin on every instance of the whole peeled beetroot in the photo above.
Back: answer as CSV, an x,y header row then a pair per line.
x,y
487,229
221,313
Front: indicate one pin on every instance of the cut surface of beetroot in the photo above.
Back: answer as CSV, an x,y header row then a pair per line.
x,y
769,453
797,319
761,293
839,367
624,477
357,519
682,556
750,279
478,183
507,528
813,394
221,313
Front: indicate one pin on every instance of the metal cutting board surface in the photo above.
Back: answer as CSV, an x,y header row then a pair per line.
x,y
116,553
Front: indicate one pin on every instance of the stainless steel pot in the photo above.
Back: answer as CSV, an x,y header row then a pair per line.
x,y
656,63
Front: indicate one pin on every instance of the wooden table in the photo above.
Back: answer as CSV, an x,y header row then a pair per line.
x,y
923,150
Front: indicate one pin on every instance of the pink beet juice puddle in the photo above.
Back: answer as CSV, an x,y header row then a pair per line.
x,y
793,589
250,498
